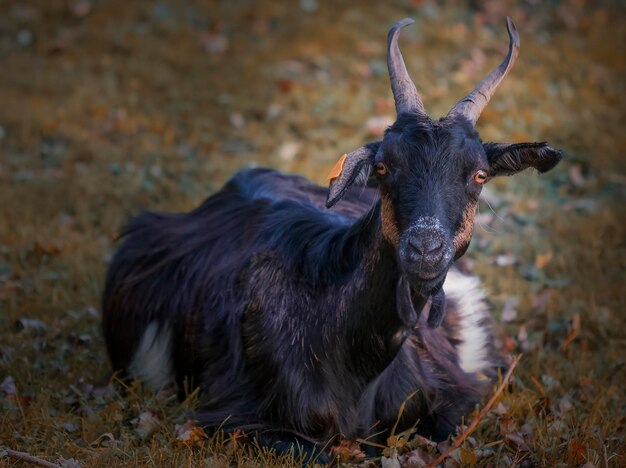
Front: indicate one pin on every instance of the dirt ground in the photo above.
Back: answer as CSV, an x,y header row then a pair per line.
x,y
110,107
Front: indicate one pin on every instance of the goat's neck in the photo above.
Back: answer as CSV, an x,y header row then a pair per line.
x,y
382,311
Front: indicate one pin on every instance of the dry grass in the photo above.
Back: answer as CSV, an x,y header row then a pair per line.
x,y
122,109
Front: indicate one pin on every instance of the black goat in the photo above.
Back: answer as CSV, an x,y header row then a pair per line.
x,y
300,323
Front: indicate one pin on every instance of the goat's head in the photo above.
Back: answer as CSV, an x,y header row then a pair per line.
x,y
430,173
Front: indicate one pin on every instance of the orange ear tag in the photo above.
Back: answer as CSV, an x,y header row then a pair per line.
x,y
336,171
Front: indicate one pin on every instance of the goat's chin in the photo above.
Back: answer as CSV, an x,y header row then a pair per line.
x,y
427,284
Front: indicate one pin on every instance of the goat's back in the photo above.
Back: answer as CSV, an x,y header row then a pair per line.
x,y
182,269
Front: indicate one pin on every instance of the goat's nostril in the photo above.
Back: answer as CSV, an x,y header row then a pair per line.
x,y
433,247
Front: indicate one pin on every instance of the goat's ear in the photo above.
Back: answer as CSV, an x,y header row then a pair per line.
x,y
352,168
511,158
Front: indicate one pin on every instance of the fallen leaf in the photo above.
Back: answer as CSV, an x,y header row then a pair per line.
x,y
18,400
69,427
67,463
542,260
145,424
213,43
500,409
565,405
506,425
8,385
508,345
549,382
35,326
468,457
541,300
285,85
288,150
347,451
396,441
509,312
390,462
188,434
506,260
104,440
237,120
516,442
522,339
46,249
81,8
273,111
415,459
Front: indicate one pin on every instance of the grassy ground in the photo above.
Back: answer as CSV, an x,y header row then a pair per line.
x,y
110,107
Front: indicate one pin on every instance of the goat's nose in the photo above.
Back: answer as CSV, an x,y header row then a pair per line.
x,y
428,249
426,246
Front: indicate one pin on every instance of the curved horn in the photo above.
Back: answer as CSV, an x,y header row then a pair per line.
x,y
472,105
404,92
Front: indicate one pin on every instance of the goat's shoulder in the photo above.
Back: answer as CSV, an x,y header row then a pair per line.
x,y
273,186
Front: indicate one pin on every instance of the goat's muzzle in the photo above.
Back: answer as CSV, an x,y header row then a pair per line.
x,y
425,252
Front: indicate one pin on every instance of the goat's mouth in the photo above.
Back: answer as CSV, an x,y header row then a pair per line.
x,y
428,282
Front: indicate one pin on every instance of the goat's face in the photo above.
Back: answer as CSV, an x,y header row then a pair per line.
x,y
430,173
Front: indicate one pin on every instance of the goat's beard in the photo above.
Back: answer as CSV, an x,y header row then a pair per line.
x,y
422,291
411,301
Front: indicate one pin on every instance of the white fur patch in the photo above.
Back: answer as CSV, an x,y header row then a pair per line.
x,y
152,362
469,297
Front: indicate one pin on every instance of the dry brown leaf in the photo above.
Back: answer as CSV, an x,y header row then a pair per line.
x,y
542,260
188,434
103,440
506,425
18,400
468,457
47,249
416,459
348,451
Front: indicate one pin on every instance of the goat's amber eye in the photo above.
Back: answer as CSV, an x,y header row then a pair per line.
x,y
481,177
380,168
